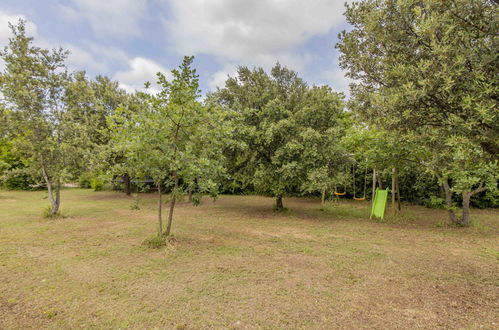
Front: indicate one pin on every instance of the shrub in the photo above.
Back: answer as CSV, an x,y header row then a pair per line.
x,y
47,214
435,202
97,184
18,181
156,242
84,181
136,202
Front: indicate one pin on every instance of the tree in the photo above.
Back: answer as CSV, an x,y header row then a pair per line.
x,y
428,69
467,172
33,86
425,63
287,133
322,126
172,138
90,103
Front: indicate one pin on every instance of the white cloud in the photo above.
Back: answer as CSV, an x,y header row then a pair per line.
x,y
118,18
5,32
108,53
336,78
251,32
79,58
140,70
218,78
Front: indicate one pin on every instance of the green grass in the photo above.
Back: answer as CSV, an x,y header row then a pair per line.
x,y
236,263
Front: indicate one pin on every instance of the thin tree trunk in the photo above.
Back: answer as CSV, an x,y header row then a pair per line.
x,y
172,204
160,207
374,186
50,194
394,190
127,184
57,200
323,197
54,201
397,184
380,183
175,187
278,203
448,202
190,195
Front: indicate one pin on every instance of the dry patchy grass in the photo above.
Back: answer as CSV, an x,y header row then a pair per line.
x,y
238,264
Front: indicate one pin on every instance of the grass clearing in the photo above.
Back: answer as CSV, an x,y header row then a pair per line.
x,y
238,264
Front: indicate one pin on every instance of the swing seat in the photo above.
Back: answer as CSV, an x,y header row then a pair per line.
x,y
339,194
359,198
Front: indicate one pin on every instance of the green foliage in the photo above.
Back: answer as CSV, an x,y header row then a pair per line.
x,y
13,172
18,180
436,202
136,203
84,181
425,70
425,63
196,199
156,242
96,184
42,127
171,137
48,214
287,133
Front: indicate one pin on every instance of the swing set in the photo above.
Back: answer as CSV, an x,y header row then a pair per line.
x,y
380,196
363,198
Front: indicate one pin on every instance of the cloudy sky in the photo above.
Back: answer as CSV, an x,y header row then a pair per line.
x,y
131,40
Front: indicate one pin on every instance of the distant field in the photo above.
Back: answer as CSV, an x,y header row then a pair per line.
x,y
238,264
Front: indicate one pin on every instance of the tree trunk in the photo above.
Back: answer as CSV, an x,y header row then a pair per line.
x,y
50,194
394,190
373,194
278,203
190,195
172,204
55,201
465,220
127,184
448,201
160,207
397,184
323,197
380,183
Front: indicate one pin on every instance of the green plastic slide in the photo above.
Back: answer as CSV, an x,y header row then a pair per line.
x,y
379,204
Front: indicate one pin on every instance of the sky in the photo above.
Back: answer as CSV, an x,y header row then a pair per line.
x,y
130,40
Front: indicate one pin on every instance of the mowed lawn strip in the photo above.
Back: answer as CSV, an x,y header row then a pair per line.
x,y
236,263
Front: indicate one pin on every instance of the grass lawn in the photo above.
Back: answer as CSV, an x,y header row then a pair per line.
x,y
238,264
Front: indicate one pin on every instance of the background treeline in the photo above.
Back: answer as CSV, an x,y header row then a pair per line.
x,y
422,117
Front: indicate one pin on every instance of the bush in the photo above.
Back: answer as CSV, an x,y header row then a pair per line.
x,y
18,181
136,203
435,202
97,184
84,181
49,215
156,242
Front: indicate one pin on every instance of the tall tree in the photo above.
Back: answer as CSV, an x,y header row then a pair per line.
x,y
426,63
286,132
90,103
428,69
33,86
173,138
